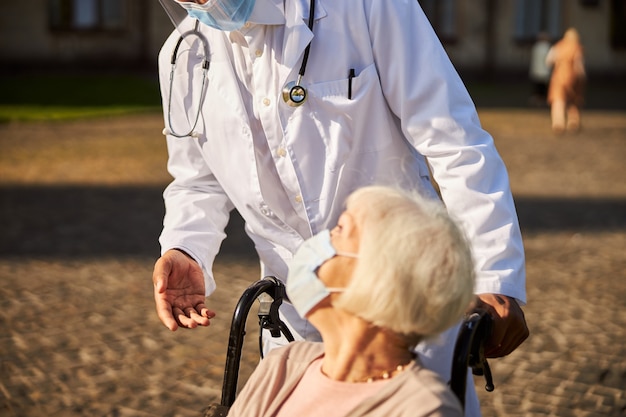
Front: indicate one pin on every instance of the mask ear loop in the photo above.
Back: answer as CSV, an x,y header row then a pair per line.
x,y
206,63
347,255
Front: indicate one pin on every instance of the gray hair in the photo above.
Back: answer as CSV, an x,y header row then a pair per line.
x,y
415,274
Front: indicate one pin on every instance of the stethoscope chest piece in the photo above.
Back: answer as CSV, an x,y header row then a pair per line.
x,y
294,94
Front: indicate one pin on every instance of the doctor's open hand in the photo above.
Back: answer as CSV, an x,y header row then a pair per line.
x,y
509,324
179,291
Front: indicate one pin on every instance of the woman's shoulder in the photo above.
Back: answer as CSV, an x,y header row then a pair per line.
x,y
427,387
300,351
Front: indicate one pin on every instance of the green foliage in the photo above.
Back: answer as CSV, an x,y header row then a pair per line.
x,y
56,97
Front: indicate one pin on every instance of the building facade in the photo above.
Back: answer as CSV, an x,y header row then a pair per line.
x,y
490,37
495,36
81,34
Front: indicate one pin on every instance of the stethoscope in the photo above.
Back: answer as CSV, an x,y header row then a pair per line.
x,y
205,69
294,94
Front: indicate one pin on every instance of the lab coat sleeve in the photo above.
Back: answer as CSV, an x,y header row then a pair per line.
x,y
197,209
440,121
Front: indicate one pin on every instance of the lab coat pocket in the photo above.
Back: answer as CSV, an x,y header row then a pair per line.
x,y
350,115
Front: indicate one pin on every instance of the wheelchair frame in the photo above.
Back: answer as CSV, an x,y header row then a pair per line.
x,y
468,351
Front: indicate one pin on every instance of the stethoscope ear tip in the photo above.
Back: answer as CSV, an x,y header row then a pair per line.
x,y
166,131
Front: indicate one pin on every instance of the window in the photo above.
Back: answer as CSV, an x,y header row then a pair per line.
x,y
535,16
82,15
442,16
618,24
590,3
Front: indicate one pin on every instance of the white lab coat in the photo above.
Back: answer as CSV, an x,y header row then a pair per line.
x,y
408,106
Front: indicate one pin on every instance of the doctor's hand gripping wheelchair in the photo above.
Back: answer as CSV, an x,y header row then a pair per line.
x,y
468,351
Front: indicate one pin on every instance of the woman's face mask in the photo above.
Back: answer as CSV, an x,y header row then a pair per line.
x,y
224,15
304,289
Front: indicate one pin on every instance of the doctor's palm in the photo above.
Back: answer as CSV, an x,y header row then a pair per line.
x,y
179,292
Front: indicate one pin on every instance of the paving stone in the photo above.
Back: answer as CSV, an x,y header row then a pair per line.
x,y
79,335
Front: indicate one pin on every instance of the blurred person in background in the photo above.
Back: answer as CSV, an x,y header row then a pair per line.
x,y
539,71
567,83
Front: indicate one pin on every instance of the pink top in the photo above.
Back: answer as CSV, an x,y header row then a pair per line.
x,y
318,395
415,392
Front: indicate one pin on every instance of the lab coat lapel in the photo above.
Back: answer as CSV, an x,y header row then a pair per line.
x,y
223,78
297,34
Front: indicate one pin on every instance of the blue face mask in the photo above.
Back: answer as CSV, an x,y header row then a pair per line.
x,y
224,15
304,289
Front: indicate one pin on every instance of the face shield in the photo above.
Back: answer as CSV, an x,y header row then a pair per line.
x,y
176,13
184,25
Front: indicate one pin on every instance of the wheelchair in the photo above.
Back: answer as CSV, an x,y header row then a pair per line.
x,y
270,292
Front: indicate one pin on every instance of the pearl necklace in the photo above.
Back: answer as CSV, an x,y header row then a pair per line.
x,y
387,374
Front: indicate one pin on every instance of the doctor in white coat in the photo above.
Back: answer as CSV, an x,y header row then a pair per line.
x,y
383,105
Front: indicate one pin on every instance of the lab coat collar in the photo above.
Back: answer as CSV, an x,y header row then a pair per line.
x,y
297,33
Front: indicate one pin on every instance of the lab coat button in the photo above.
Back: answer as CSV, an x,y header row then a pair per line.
x,y
258,53
266,101
281,152
298,199
265,210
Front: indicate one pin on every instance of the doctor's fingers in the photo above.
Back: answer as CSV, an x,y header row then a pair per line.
x,y
165,313
517,333
508,344
507,335
513,343
191,318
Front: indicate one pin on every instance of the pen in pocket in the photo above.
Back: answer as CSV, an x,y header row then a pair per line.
x,y
350,77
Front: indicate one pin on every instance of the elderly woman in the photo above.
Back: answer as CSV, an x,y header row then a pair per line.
x,y
395,270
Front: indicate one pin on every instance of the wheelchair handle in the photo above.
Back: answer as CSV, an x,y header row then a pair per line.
x,y
469,352
268,319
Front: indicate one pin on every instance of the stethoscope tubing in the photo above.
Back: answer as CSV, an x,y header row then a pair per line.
x,y
307,50
206,63
294,94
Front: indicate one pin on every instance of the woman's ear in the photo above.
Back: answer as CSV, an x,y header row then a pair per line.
x,y
351,228
345,236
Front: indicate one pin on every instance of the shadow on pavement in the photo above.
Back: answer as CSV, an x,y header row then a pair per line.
x,y
575,214
84,221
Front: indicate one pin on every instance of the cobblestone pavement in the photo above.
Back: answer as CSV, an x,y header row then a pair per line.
x,y
79,335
